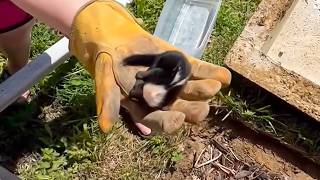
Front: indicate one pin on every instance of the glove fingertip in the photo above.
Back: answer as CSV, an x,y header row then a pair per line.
x,y
199,113
105,124
200,90
225,76
195,111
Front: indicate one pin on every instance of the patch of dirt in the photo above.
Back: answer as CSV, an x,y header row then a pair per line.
x,y
240,153
266,158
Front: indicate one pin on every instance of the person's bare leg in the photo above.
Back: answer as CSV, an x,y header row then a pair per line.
x,y
15,45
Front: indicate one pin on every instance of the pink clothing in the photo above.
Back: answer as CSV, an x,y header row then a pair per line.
x,y
11,16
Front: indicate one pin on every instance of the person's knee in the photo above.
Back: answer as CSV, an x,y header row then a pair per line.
x,y
15,45
21,34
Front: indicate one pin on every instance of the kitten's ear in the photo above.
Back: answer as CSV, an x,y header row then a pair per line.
x,y
141,75
150,73
137,90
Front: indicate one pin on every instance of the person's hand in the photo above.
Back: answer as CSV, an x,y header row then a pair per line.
x,y
103,35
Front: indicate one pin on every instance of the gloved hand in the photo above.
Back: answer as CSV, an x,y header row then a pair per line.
x,y
103,35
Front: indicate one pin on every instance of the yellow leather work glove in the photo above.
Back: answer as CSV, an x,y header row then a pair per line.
x,y
103,35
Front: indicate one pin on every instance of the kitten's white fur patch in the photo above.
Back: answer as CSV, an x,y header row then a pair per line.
x,y
154,94
176,78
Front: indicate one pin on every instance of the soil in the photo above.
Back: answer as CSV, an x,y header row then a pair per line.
x,y
296,46
247,155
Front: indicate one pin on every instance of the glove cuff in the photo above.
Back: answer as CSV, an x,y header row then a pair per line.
x,y
97,27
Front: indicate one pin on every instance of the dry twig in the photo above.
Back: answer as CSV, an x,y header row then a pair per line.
x,y
231,162
258,175
206,175
225,169
234,154
221,147
197,161
210,161
256,170
227,115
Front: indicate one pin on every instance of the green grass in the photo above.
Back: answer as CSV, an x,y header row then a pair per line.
x,y
148,11
57,136
231,19
42,38
265,113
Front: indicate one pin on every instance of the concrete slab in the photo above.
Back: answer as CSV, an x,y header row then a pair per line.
x,y
279,50
297,45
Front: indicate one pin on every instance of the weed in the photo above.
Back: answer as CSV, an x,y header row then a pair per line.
x,y
63,159
149,11
42,38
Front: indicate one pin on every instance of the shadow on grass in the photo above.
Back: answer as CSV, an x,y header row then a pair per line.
x,y
55,119
22,132
23,129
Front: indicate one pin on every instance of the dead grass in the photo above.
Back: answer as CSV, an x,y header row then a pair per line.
x,y
139,159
